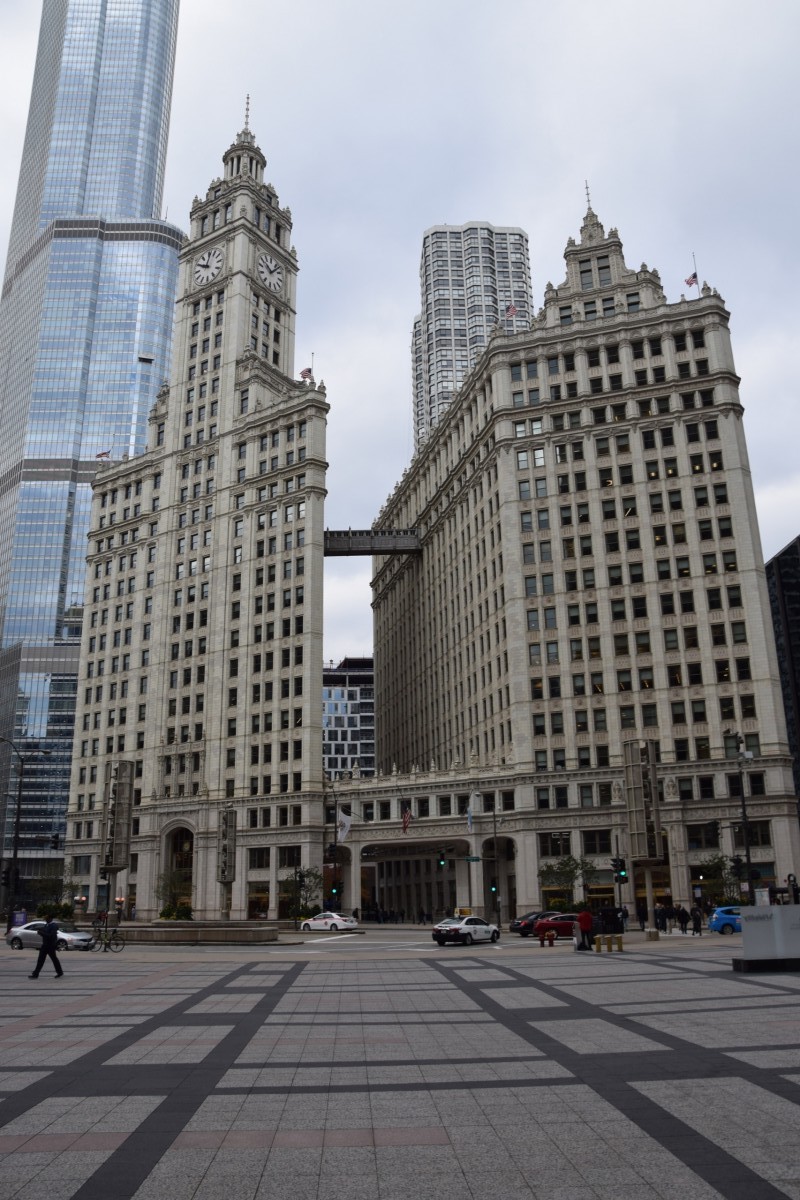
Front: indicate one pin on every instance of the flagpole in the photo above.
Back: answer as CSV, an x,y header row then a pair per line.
x,y
696,276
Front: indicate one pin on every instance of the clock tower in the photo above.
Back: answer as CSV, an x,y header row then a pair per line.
x,y
240,244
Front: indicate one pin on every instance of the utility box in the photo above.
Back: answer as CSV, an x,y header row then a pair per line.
x,y
770,938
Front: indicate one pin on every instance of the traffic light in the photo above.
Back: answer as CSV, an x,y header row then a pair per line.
x,y
55,841
6,876
620,870
103,873
493,886
442,859
335,888
301,879
737,866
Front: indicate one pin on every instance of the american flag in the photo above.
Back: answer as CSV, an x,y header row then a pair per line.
x,y
692,280
406,818
511,311
103,454
306,373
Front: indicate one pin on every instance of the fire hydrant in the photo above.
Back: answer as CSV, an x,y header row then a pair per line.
x,y
548,935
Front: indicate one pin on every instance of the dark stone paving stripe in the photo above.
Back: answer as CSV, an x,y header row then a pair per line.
x,y
125,1171
609,1076
185,1086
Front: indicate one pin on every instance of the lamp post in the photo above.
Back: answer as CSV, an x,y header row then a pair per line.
x,y
12,893
337,900
498,900
743,756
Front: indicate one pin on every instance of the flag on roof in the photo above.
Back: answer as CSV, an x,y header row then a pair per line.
x,y
692,280
306,373
103,454
469,819
511,311
406,818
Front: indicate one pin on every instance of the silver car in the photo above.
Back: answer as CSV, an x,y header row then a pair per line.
x,y
26,937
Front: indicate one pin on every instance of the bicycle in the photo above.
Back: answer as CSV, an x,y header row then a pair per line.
x,y
103,940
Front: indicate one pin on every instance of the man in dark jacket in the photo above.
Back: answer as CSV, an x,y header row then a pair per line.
x,y
49,936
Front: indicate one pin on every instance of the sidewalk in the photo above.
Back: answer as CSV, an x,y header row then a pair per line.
x,y
349,1067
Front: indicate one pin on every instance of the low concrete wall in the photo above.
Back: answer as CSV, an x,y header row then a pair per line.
x,y
198,933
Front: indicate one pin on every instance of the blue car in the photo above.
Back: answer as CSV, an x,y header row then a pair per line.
x,y
725,920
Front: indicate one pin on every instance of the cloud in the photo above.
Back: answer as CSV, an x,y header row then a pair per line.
x,y
380,120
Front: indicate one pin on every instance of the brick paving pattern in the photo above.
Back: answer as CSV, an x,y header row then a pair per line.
x,y
383,1070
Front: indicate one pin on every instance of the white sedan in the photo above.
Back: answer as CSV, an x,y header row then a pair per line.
x,y
332,922
465,930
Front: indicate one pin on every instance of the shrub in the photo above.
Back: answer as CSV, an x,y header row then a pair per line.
x,y
183,912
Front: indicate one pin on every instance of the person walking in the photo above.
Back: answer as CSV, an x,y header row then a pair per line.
x,y
49,936
585,925
641,912
697,920
683,919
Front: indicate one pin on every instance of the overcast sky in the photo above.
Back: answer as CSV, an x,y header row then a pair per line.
x,y
381,119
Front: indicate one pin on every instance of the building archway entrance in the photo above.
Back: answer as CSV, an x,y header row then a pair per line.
x,y
175,884
421,881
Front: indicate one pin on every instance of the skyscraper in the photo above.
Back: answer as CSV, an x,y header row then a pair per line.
x,y
85,338
590,574
783,583
473,278
201,661
348,718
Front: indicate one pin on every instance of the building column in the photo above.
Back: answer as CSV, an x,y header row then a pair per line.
x,y
351,883
679,873
272,911
529,892
462,883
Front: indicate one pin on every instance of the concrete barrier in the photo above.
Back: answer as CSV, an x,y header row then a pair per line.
x,y
199,933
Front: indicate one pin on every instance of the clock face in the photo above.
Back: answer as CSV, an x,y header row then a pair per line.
x,y
270,272
208,265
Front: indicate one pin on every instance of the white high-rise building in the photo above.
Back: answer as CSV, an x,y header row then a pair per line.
x,y
473,278
201,660
589,574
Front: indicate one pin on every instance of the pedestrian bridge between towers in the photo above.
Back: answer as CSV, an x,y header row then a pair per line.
x,y
340,542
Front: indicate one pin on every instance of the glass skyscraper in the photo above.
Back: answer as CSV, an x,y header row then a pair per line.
x,y
85,337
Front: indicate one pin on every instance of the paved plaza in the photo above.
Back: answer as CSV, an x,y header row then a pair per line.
x,y
380,1067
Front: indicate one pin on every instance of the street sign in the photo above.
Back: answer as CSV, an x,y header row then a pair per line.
x,y
473,858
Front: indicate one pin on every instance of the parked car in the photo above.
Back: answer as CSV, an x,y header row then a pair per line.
x,y
561,924
332,922
464,930
26,937
726,919
524,925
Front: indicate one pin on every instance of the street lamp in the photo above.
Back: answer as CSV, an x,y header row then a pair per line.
x,y
498,896
744,756
12,892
